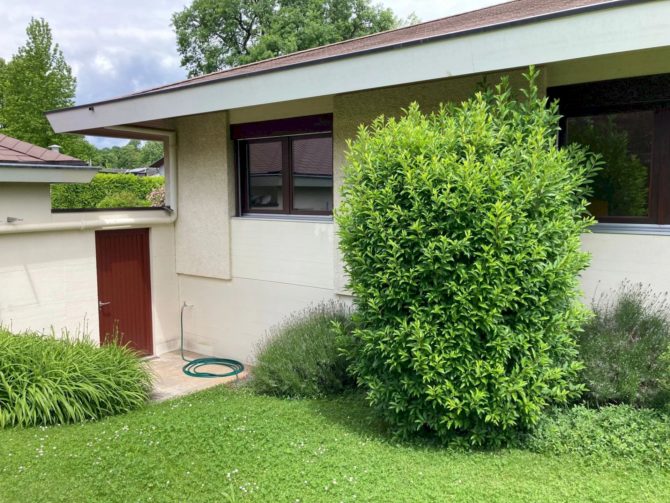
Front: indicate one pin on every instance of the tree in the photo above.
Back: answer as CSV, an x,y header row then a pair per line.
x,y
134,154
35,80
216,34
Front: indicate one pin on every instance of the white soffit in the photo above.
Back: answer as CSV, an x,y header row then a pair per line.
x,y
22,173
614,29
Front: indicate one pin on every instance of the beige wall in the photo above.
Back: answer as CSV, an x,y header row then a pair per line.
x,y
618,257
204,189
30,202
48,280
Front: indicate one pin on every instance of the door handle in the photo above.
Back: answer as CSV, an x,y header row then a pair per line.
x,y
103,304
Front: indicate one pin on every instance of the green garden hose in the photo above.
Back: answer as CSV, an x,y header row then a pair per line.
x,y
192,366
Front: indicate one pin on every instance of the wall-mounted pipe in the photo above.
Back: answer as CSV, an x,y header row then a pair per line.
x,y
82,225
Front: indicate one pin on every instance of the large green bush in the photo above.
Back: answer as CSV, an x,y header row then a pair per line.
x,y
104,186
626,348
460,232
300,356
44,380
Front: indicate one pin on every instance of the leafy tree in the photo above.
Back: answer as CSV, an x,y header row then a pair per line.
x,y
134,154
460,231
215,34
35,80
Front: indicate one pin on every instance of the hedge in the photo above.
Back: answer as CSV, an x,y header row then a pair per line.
x,y
103,186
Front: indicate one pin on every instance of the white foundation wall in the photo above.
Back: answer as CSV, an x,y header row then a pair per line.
x,y
278,267
49,280
618,257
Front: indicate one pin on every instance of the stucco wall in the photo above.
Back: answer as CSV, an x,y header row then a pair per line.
x,y
204,187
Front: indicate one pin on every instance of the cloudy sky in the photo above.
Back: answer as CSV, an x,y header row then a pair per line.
x,y
119,46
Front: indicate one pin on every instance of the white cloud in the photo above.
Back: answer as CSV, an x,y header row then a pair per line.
x,y
103,65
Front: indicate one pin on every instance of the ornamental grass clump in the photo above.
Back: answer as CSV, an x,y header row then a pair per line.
x,y
45,380
460,231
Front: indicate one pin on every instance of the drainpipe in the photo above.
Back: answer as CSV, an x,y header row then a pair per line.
x,y
114,221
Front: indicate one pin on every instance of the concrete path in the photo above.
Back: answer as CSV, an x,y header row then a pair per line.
x,y
171,382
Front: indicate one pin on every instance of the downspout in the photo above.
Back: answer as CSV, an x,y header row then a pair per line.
x,y
115,222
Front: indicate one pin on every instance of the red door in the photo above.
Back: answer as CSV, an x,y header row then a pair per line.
x,y
124,287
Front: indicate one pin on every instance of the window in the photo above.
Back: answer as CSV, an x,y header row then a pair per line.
x,y
285,173
626,121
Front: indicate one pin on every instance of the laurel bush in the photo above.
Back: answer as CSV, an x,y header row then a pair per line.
x,y
460,232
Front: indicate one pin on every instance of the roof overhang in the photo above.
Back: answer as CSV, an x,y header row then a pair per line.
x,y
613,27
45,173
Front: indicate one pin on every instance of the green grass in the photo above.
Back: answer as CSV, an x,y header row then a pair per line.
x,y
230,445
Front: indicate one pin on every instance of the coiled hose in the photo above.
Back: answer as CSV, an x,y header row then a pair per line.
x,y
192,367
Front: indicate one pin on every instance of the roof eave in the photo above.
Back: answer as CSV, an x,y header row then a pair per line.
x,y
539,40
45,173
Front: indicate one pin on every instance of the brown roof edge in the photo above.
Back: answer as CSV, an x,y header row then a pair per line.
x,y
536,10
17,151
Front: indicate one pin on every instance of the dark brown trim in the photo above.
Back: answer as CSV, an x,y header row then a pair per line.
x,y
100,210
242,174
661,159
282,127
648,93
651,92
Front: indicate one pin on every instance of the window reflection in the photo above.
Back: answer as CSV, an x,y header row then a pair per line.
x,y
265,175
621,188
312,162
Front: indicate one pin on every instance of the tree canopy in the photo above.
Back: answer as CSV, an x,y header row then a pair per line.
x,y
35,80
216,34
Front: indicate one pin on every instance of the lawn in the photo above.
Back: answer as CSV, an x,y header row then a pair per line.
x,y
230,445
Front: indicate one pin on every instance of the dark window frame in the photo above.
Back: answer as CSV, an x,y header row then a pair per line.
x,y
628,95
285,130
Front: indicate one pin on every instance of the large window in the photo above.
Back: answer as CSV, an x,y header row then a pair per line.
x,y
285,173
626,121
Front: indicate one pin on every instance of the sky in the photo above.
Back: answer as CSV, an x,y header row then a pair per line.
x,y
117,47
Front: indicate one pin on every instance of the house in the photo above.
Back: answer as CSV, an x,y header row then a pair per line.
x,y
254,159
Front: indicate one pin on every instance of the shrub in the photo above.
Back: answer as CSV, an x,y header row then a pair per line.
x,y
460,231
611,433
625,348
300,357
157,197
122,199
44,380
103,185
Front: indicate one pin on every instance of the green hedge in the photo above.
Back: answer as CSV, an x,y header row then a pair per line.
x,y
103,186
460,232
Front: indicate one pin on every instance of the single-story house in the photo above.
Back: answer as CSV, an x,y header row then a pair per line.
x,y
254,159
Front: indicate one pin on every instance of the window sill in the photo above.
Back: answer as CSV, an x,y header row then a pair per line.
x,y
324,219
636,229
